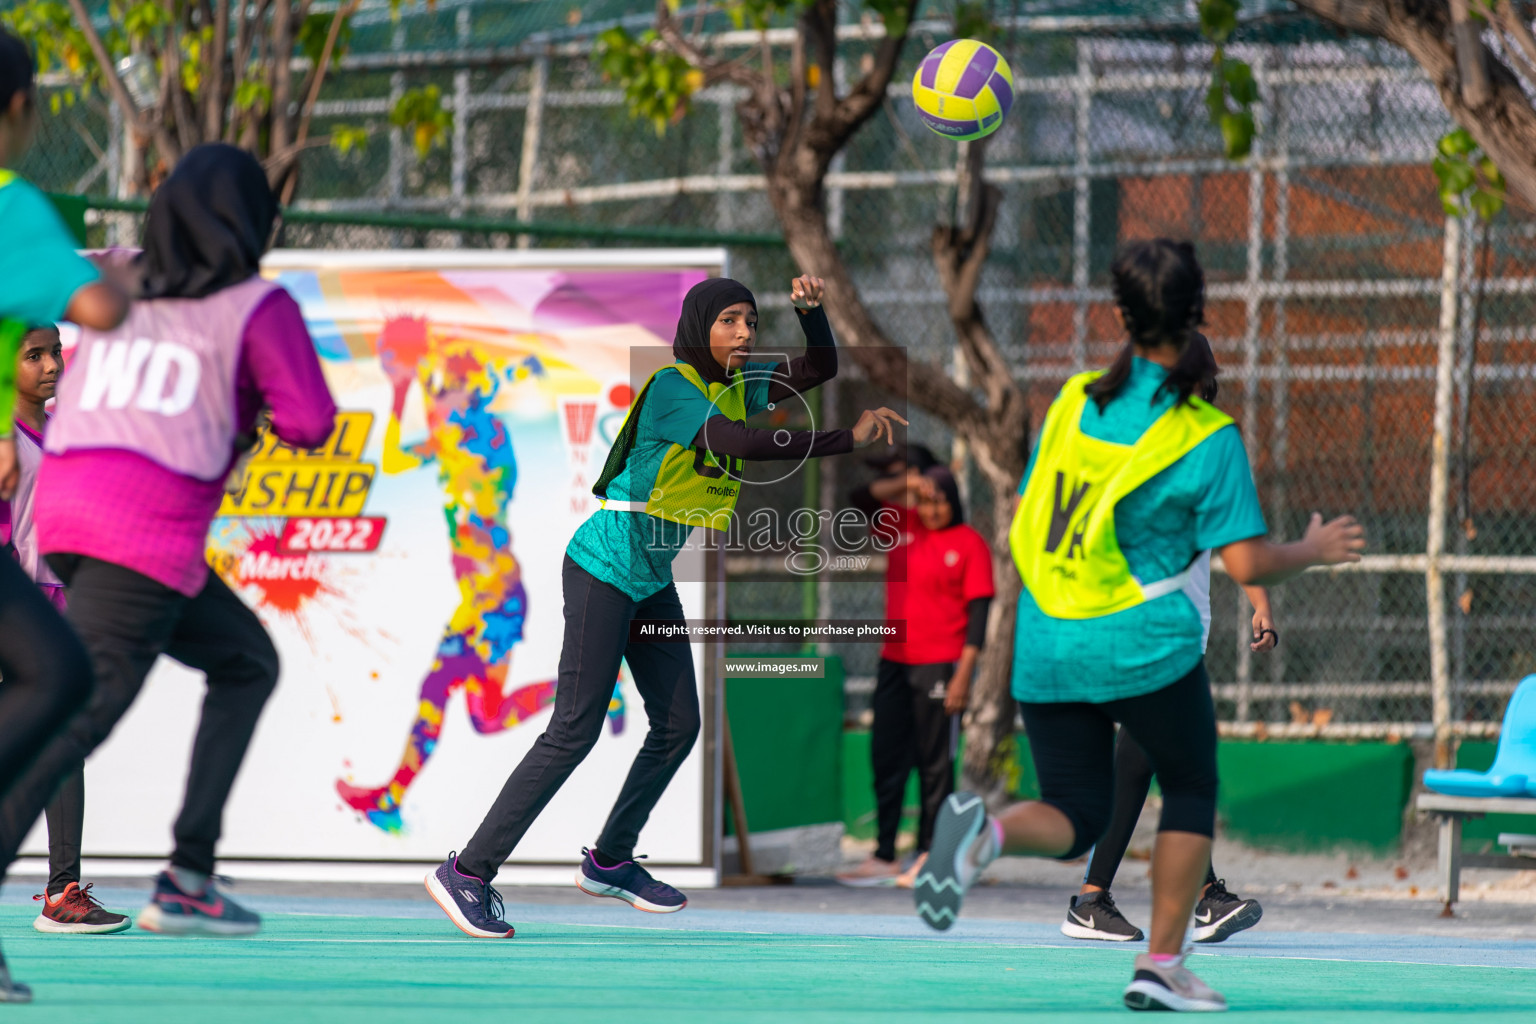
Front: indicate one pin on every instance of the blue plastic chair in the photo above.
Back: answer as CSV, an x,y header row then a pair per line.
x,y
1514,767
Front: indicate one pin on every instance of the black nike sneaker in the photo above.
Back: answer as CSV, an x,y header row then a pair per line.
x,y
1220,915
1094,916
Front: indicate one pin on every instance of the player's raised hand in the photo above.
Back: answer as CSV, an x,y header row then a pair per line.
x,y
805,291
1335,542
874,424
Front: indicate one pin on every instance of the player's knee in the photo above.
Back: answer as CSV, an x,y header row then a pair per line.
x,y
1190,810
1089,819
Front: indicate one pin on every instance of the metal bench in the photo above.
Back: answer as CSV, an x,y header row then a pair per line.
x,y
1452,811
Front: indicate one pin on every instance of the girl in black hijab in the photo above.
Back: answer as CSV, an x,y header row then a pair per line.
x,y
676,464
127,491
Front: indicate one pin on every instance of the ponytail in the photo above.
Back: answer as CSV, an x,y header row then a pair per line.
x,y
1159,288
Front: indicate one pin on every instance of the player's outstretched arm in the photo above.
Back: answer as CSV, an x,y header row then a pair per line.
x,y
1259,562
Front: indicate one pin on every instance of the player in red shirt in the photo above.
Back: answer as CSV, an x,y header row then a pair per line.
x,y
924,682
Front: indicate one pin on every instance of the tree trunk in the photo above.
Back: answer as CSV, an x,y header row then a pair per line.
x,y
1504,123
989,733
996,432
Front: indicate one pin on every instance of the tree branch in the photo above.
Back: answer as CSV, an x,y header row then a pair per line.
x,y
307,113
1504,126
715,70
829,133
132,115
213,72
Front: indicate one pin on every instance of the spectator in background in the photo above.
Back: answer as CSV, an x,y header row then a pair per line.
x,y
939,584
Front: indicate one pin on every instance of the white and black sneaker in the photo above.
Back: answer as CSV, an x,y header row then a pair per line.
x,y
1094,916
1220,914
1170,986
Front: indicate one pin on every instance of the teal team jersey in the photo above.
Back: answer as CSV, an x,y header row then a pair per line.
x,y
1205,500
631,550
39,273
39,267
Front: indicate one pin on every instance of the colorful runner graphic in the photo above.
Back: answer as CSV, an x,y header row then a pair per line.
x,y
477,469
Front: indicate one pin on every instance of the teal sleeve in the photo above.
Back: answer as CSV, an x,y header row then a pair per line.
x,y
1228,509
758,377
38,262
675,409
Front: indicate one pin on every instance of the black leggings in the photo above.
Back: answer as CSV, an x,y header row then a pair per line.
x,y
1073,746
597,621
46,678
1133,778
126,620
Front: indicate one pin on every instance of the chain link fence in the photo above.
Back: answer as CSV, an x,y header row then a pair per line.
x,y
1378,357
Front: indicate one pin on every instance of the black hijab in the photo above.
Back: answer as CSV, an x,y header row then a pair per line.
x,y
208,224
701,306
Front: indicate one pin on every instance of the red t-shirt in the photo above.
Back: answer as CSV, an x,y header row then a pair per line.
x,y
945,570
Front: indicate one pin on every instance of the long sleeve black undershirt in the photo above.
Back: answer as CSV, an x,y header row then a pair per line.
x,y
819,365
727,437
976,624
816,367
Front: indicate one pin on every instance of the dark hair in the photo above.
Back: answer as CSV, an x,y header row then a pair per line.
x,y
1203,361
16,68
1160,290
944,480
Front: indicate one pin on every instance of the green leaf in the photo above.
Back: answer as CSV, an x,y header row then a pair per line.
x,y
1216,100
1457,143
347,138
1486,204
1218,19
316,28
1451,206
1237,134
1239,78
1455,176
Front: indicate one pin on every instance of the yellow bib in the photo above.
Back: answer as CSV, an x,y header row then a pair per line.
x,y
692,485
1063,535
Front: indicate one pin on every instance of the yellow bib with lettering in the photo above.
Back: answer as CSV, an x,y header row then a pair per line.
x,y
1063,536
693,486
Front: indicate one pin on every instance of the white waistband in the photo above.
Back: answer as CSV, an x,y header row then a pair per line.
x,y
622,506
1162,588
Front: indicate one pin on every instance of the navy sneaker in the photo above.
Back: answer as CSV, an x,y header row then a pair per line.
x,y
174,912
470,904
629,882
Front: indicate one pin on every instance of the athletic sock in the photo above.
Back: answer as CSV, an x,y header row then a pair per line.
x,y
606,862
1164,959
193,883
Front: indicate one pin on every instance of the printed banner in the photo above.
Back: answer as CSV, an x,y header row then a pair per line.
x,y
409,569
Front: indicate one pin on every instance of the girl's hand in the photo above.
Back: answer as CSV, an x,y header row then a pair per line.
x,y
805,291
874,424
1264,635
1336,541
956,695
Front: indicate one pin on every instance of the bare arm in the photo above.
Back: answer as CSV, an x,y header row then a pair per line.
x,y
1258,562
1265,636
100,305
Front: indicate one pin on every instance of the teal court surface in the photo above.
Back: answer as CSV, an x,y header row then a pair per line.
x,y
376,955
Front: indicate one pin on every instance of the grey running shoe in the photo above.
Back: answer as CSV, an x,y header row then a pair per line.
x,y
1220,914
1095,916
12,991
963,845
1170,987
